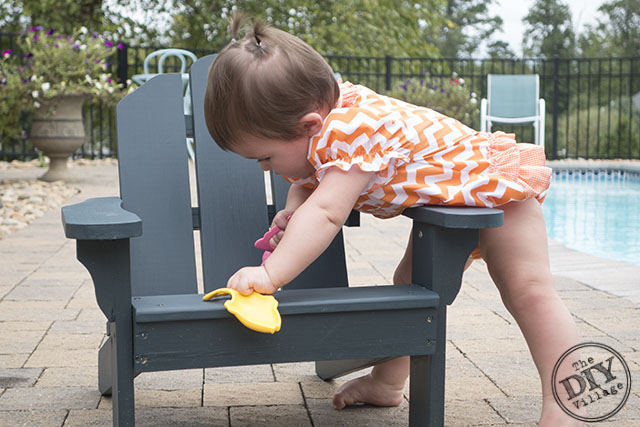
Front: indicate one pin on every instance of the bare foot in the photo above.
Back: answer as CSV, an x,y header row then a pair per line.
x,y
367,390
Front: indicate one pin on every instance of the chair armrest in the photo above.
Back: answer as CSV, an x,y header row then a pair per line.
x,y
457,217
101,218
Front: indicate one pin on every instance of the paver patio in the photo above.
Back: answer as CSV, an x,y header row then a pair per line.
x,y
51,329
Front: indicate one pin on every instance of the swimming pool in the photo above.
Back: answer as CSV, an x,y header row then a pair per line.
x,y
596,211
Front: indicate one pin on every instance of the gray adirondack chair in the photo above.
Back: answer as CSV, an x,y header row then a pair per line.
x,y
139,249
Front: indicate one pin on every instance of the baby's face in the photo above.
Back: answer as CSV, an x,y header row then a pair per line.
x,y
288,158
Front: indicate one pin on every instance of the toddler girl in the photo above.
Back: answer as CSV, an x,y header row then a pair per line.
x,y
272,98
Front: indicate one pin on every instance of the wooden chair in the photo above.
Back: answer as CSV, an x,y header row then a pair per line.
x,y
139,249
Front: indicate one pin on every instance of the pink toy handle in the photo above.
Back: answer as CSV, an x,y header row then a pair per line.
x,y
263,242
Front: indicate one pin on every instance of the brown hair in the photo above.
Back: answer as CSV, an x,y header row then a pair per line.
x,y
263,84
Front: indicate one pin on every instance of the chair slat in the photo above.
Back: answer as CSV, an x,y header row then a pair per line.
x,y
231,220
152,154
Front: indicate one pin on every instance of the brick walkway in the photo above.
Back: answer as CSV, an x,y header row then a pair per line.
x,y
51,329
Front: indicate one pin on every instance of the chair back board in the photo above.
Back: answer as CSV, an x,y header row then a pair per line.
x,y
154,184
233,206
512,95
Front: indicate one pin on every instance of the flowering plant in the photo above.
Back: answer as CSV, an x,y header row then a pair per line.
x,y
450,98
45,65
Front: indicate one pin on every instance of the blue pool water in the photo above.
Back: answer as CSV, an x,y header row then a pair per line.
x,y
596,212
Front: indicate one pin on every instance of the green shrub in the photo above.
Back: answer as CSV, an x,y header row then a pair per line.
x,y
449,97
600,132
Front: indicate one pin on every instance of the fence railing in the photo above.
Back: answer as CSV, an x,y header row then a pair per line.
x,y
591,112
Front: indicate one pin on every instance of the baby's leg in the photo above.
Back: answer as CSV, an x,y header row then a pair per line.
x,y
384,385
518,261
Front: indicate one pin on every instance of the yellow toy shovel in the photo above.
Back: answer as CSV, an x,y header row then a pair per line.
x,y
255,311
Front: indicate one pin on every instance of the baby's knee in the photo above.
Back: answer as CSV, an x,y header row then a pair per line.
x,y
528,294
529,297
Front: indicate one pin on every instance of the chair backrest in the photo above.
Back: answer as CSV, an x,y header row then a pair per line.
x,y
513,95
233,206
232,198
154,184
179,54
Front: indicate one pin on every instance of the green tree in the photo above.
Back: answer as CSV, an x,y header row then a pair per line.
x,y
67,16
548,30
469,24
64,16
349,27
617,33
500,49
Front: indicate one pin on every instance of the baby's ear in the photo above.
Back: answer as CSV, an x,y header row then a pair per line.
x,y
311,123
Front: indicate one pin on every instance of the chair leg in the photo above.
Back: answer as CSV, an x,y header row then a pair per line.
x,y
426,384
123,403
105,374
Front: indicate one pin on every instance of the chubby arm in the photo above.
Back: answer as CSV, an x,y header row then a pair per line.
x,y
309,232
296,196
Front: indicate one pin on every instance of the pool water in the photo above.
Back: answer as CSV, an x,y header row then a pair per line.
x,y
596,212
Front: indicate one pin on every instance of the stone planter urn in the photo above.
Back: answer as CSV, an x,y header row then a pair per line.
x,y
58,132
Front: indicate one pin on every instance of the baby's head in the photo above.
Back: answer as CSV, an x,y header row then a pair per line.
x,y
263,84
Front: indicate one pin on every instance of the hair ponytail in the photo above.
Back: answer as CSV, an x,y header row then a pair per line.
x,y
235,24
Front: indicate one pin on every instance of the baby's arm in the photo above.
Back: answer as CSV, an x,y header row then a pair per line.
x,y
296,196
309,232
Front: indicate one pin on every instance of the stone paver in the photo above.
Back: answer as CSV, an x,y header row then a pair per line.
x,y
278,415
237,394
51,329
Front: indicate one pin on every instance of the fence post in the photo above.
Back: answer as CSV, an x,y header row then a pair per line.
x,y
387,80
123,64
554,131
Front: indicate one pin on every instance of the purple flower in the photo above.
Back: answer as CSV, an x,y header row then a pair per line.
x,y
28,55
75,46
421,82
404,87
51,31
6,52
108,43
56,45
120,46
109,80
36,37
35,29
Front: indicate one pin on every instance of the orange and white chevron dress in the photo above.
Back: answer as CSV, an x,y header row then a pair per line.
x,y
421,157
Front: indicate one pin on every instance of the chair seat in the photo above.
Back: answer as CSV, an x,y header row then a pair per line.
x,y
161,308
183,332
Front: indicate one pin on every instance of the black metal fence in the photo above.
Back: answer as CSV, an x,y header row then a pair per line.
x,y
592,104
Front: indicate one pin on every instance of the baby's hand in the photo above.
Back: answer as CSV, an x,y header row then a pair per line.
x,y
249,279
281,220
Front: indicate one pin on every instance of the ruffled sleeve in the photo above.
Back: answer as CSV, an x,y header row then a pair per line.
x,y
356,136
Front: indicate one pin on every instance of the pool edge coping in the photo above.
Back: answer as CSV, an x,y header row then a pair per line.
x,y
578,164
